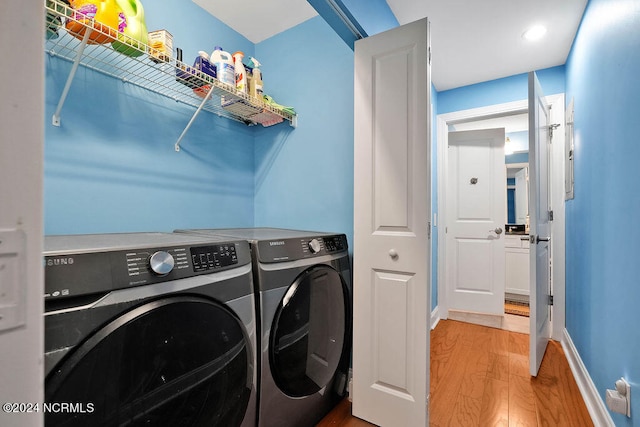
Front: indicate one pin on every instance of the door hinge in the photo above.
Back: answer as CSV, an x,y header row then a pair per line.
x,y
429,54
552,128
550,215
550,299
429,230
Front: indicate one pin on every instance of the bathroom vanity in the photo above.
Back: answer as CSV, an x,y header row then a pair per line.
x,y
516,248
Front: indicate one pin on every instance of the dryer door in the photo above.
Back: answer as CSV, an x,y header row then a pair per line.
x,y
175,361
310,332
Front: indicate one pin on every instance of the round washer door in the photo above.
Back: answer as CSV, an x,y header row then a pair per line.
x,y
179,361
309,332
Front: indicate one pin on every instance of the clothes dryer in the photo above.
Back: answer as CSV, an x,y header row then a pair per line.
x,y
303,284
149,329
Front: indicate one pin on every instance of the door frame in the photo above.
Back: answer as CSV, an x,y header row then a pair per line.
x,y
557,101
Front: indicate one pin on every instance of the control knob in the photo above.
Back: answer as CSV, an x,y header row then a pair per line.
x,y
314,246
161,263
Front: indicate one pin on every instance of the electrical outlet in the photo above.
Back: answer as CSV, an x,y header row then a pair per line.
x,y
624,388
619,400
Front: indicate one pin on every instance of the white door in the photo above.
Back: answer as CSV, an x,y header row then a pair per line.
x,y
539,231
391,215
21,217
476,216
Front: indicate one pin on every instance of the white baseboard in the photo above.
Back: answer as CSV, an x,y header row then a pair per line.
x,y
435,317
595,405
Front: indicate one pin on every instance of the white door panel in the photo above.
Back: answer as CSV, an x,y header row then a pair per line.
x,y
391,215
539,140
476,200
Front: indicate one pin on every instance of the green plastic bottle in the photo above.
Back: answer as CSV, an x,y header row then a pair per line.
x,y
132,29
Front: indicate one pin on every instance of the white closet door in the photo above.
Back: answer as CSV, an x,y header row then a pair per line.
x,y
391,244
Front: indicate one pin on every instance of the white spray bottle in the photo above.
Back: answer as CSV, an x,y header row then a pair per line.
x,y
256,88
240,72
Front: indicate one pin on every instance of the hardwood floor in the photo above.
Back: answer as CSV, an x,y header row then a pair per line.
x,y
480,377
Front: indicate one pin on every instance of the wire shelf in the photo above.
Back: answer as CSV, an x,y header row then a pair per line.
x,y
170,78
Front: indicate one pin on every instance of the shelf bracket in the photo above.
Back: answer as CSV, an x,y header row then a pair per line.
x,y
67,86
184,132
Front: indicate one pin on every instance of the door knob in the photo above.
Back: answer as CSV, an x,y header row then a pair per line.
x,y
497,230
393,253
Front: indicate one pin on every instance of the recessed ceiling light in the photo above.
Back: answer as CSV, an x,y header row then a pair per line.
x,y
534,33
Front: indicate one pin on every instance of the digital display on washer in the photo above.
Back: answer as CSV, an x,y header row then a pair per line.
x,y
213,257
334,244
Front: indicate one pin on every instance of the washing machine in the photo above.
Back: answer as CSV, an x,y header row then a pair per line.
x,y
303,285
149,329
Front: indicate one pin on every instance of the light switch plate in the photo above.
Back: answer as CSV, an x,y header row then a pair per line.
x,y
12,279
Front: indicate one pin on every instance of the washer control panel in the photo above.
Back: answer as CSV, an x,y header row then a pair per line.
x,y
74,274
281,250
155,262
206,258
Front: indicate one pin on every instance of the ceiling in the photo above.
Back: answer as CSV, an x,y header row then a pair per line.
x,y
258,20
472,41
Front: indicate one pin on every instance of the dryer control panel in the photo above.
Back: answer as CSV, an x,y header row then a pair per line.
x,y
281,250
213,257
75,274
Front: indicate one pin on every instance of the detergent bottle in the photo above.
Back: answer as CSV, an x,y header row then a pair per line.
x,y
256,88
224,66
240,72
132,29
105,14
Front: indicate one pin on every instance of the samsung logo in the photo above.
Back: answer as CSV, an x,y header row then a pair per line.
x,y
59,261
277,243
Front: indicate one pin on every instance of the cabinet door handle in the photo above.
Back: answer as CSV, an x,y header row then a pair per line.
x,y
497,230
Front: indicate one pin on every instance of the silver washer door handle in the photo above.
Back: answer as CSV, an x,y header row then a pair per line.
x,y
497,230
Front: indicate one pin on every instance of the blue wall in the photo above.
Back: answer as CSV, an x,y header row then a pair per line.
x,y
374,16
111,166
500,91
304,177
603,290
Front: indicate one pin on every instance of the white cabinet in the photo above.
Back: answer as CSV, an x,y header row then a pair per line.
x,y
516,249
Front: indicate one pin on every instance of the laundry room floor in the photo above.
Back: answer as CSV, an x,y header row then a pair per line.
x,y
480,376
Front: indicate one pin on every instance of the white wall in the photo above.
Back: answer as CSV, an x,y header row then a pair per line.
x,y
21,172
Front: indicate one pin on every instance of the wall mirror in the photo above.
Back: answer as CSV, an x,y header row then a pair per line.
x,y
517,193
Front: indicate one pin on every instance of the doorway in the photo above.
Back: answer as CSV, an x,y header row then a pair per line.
x,y
488,114
507,282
